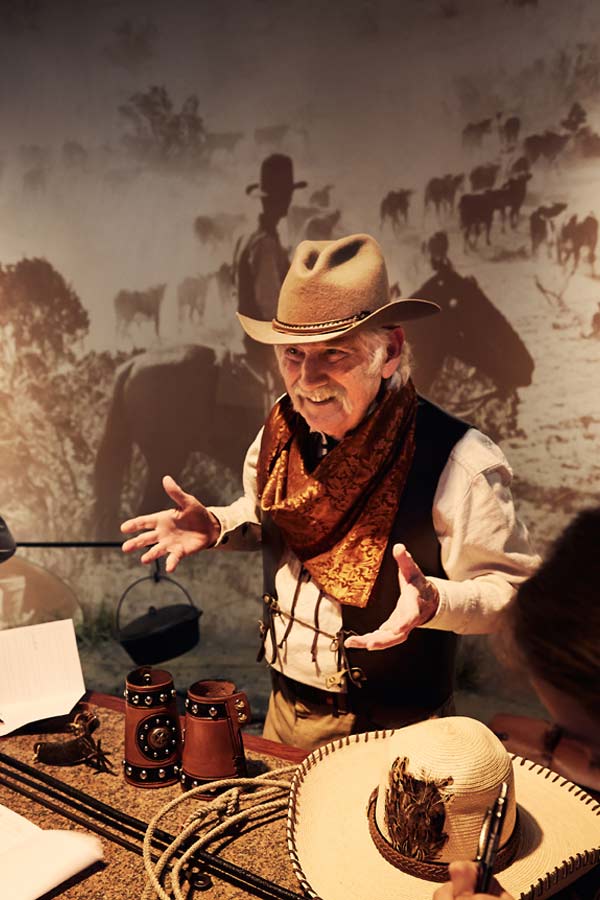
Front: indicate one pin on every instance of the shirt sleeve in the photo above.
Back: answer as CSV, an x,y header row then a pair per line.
x,y
485,549
240,521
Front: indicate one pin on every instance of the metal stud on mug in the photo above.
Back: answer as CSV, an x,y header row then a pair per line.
x,y
215,713
152,729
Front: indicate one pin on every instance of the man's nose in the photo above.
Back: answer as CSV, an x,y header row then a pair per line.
x,y
313,371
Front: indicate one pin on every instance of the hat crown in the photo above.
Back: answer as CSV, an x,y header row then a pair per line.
x,y
333,281
276,174
454,764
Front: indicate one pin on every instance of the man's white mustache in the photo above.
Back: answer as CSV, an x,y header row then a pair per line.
x,y
318,395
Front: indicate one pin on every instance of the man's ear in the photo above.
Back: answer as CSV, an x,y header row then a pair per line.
x,y
394,349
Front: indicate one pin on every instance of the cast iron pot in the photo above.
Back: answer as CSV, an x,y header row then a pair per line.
x,y
160,634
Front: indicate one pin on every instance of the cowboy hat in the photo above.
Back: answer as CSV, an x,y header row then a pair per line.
x,y
276,177
332,288
380,815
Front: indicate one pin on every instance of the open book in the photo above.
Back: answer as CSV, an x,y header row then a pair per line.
x,y
34,860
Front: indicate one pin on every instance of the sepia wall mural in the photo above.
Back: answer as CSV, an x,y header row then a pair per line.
x,y
464,135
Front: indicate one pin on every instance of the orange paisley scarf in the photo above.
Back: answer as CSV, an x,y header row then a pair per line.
x,y
337,518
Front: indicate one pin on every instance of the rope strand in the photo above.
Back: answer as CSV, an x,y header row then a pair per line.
x,y
264,795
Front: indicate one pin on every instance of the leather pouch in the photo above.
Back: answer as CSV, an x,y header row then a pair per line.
x,y
152,729
213,748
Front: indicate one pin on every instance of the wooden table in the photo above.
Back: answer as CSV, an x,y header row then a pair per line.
x,y
259,849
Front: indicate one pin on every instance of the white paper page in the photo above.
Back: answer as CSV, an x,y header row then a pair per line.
x,y
14,829
44,860
40,673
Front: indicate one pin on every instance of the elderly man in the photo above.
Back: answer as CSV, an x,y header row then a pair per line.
x,y
385,524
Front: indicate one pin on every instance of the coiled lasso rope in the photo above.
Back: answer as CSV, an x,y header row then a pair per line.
x,y
262,796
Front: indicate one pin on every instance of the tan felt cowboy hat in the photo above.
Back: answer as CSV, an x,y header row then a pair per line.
x,y
276,177
333,288
380,815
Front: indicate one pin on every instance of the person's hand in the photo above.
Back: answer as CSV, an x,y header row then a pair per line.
x,y
174,533
463,878
417,603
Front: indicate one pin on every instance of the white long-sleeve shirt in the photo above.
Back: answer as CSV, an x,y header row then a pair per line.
x,y
485,551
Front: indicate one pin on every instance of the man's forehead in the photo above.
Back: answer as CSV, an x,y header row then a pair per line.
x,y
349,342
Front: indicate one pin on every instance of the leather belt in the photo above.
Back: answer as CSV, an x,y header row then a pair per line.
x,y
338,701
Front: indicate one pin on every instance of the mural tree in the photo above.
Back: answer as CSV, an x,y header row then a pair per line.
x,y
159,133
51,395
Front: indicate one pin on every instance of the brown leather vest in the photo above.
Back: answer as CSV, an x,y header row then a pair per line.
x,y
420,672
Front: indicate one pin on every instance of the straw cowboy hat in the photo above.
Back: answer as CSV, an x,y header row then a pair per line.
x,y
276,177
333,288
380,815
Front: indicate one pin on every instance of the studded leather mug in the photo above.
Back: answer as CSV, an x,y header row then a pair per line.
x,y
152,729
215,713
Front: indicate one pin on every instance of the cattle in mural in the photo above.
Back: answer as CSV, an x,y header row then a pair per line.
x,y
440,193
137,307
191,299
322,196
150,409
508,131
219,228
483,177
515,190
541,226
297,218
222,142
575,236
547,146
519,166
476,213
394,205
474,132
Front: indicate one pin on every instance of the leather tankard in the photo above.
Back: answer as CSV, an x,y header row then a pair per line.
x,y
152,729
213,748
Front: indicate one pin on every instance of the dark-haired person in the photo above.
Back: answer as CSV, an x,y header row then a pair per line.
x,y
553,624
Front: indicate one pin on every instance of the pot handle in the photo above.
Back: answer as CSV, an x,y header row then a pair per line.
x,y
156,576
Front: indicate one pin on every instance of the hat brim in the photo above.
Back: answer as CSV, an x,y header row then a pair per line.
x,y
335,858
394,313
250,190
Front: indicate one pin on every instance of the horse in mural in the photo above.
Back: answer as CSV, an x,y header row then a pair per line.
x,y
469,329
170,402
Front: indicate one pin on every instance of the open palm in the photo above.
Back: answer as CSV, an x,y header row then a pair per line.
x,y
417,603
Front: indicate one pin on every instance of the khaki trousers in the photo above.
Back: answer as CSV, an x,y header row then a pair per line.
x,y
298,723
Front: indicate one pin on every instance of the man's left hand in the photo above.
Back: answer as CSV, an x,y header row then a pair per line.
x,y
418,602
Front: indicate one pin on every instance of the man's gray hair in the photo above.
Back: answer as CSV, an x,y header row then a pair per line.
x,y
374,342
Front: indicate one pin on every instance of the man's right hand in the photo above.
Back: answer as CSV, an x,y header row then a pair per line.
x,y
174,533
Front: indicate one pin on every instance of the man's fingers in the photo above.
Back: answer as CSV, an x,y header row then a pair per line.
x,y
408,570
140,523
139,542
375,640
463,875
173,560
175,492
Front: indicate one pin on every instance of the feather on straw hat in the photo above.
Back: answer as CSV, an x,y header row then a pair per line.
x,y
332,288
352,836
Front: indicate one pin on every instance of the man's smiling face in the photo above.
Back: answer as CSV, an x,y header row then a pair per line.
x,y
333,383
